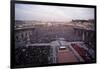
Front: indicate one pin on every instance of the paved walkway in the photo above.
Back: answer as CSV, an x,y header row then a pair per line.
x,y
66,56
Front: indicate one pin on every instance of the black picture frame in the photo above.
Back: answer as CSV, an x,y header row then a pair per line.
x,y
50,4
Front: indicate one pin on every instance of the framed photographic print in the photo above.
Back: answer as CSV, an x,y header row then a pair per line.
x,y
49,34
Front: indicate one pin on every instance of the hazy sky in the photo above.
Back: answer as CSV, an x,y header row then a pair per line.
x,y
51,13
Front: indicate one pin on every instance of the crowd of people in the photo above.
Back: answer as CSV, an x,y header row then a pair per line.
x,y
32,55
84,52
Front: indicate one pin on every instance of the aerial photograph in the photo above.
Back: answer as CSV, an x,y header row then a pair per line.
x,y
47,34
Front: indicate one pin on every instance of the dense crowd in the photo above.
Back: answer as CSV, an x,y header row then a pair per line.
x,y
32,55
84,53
